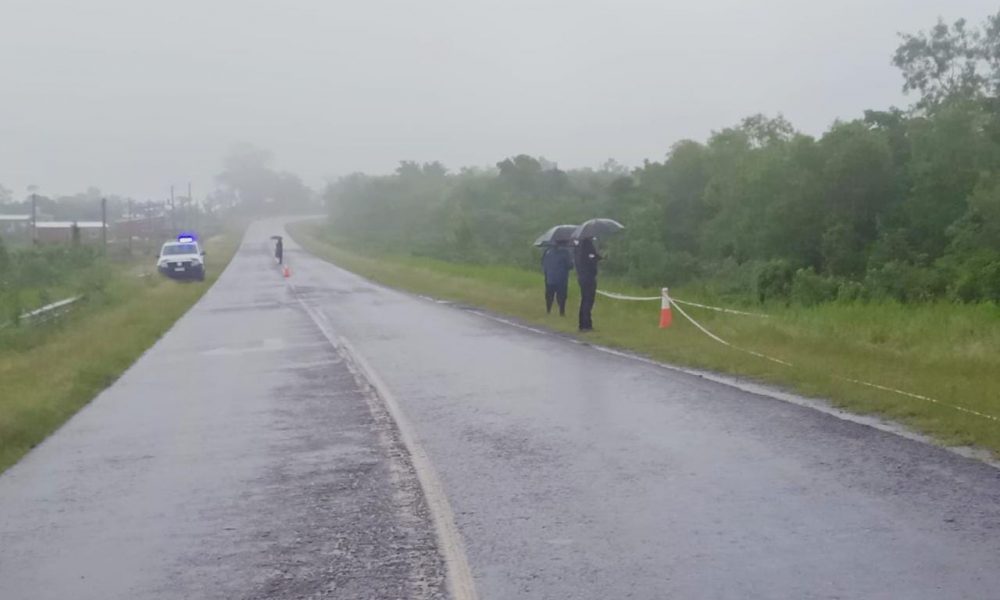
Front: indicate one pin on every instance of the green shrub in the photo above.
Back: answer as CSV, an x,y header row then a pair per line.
x,y
4,264
647,263
809,288
977,280
774,281
905,282
991,282
642,261
851,291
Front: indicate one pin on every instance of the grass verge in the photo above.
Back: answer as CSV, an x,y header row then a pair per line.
x,y
947,352
50,371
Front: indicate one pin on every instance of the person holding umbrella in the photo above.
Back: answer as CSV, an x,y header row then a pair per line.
x,y
279,249
557,262
586,258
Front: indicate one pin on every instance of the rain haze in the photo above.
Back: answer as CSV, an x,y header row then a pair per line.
x,y
133,96
485,300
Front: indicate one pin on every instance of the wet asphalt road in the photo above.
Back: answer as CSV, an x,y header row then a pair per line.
x,y
238,458
241,458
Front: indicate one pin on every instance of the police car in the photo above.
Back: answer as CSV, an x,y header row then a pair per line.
x,y
182,259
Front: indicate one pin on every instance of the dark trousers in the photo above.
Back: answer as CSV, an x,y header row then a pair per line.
x,y
558,292
588,292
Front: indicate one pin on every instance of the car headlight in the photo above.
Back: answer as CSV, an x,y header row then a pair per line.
x,y
196,262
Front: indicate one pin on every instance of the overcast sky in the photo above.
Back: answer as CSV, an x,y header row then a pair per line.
x,y
131,96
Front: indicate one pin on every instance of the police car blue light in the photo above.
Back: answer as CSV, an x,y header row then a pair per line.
x,y
182,259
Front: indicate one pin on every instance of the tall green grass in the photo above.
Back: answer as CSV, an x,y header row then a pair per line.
x,y
49,371
949,352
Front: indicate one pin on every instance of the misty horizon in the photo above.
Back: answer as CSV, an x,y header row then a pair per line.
x,y
132,99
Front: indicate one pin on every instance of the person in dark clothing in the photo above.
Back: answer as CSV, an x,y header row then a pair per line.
x,y
557,262
586,258
279,251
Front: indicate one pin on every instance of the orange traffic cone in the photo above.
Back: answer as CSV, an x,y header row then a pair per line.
x,y
286,271
666,315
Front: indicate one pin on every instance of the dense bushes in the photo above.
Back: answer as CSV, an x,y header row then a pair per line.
x,y
895,205
774,216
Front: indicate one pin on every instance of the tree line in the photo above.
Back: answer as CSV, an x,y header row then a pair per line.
x,y
897,204
248,184
33,275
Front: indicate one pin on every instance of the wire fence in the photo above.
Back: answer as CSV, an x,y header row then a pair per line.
x,y
670,301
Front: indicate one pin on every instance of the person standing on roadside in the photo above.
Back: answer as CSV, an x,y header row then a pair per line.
x,y
557,262
586,258
279,251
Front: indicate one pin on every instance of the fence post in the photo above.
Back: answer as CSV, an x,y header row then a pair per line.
x,y
129,227
104,223
34,218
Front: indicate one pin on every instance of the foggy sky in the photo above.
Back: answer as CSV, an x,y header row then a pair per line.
x,y
131,96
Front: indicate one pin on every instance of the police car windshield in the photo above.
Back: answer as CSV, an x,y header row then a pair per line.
x,y
180,249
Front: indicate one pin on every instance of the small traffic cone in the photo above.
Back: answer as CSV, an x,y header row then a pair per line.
x,y
666,315
286,271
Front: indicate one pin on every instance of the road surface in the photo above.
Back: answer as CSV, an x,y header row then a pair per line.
x,y
246,456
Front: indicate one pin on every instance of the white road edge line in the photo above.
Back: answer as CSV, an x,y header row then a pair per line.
x,y
461,585
759,389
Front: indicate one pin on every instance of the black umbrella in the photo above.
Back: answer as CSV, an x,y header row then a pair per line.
x,y
597,227
555,235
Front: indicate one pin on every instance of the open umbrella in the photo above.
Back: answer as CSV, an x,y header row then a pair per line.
x,y
555,235
596,227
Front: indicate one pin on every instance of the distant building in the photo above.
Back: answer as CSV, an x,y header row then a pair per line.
x,y
15,228
61,232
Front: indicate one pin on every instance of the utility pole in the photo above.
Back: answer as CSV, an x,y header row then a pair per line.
x,y
129,225
191,217
34,218
104,223
173,213
161,219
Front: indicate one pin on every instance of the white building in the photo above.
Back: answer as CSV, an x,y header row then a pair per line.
x,y
62,231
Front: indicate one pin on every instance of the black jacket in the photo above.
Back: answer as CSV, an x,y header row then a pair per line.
x,y
586,258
